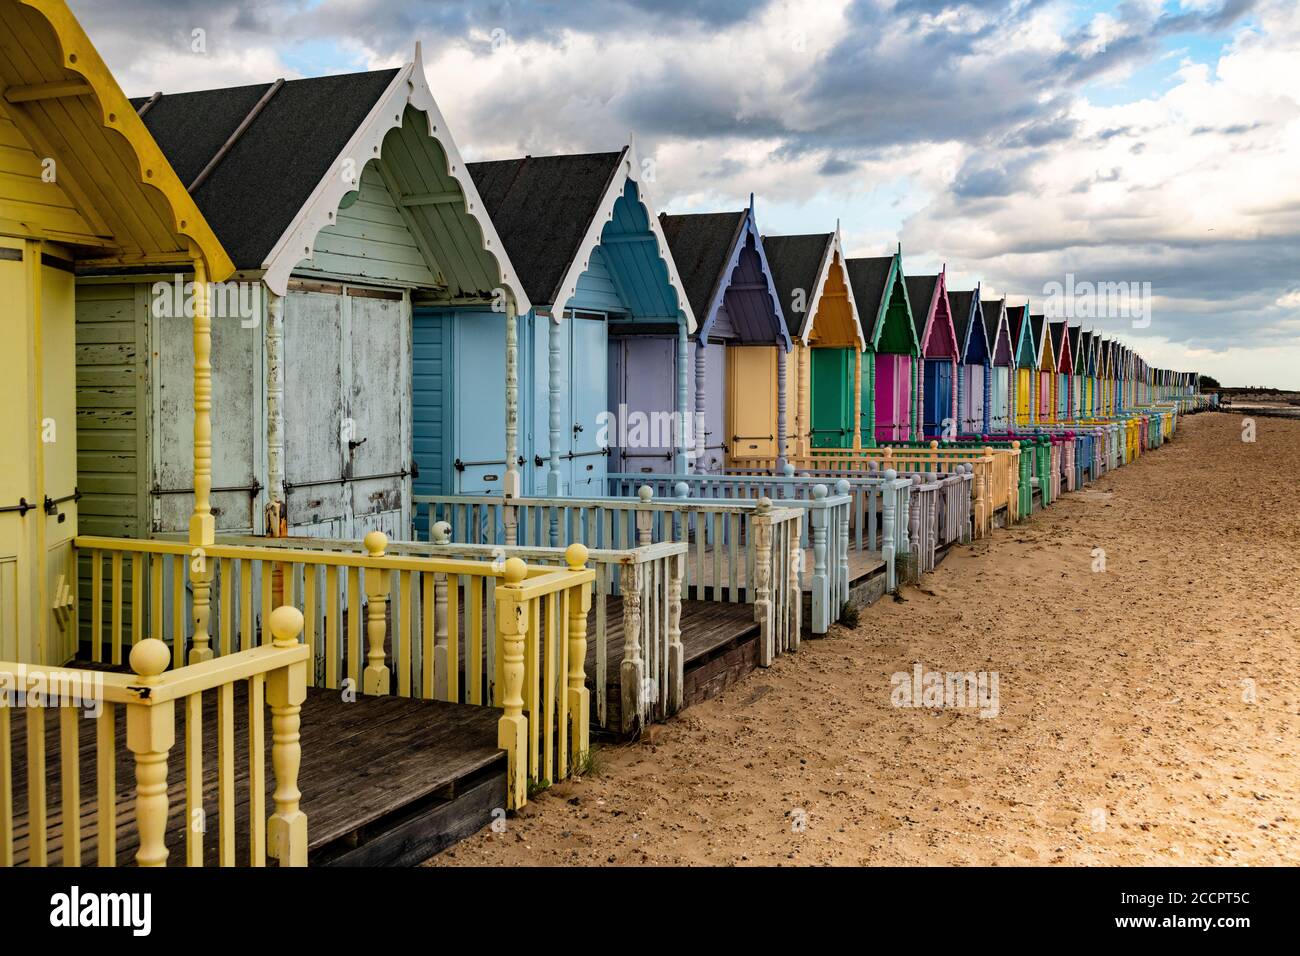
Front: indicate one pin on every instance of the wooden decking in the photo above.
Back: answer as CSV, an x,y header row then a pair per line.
x,y
384,780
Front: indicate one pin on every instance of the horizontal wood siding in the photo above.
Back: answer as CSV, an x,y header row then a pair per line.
x,y
370,240
111,354
596,289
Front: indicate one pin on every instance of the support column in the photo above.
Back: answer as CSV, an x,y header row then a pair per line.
x,y
803,422
276,516
782,360
512,485
203,528
553,393
857,399
700,404
683,449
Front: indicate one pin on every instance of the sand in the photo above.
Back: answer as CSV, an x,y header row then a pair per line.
x,y
1148,713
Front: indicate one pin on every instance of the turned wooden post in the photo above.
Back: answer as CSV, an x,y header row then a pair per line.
x,y
512,728
676,652
795,584
817,514
761,526
842,487
441,534
644,516
286,689
889,529
575,556
375,679
150,735
631,671
203,526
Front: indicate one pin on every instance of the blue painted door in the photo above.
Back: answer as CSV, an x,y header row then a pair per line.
x,y
643,392
938,396
582,395
479,403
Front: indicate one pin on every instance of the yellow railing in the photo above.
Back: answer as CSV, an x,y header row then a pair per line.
x,y
275,676
376,623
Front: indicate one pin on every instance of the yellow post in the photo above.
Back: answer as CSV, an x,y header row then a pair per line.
x,y
286,689
376,679
575,557
202,524
150,734
512,728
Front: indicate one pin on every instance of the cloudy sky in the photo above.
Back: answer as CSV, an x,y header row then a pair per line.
x,y
1021,143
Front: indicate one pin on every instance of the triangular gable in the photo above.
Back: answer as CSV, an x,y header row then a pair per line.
x,y
1002,353
61,98
968,320
1075,334
811,269
1061,342
879,282
274,164
627,190
1046,354
932,315
722,261
1022,336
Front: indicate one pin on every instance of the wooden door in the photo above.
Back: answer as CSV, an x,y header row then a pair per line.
x,y
477,408
588,397
752,401
832,398
643,383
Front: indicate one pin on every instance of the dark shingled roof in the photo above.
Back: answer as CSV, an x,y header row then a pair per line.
x,y
960,303
1038,322
1075,332
920,291
1058,333
991,313
258,188
701,247
542,208
796,262
867,278
1016,315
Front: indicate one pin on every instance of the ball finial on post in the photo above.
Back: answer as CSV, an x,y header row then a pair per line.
x,y
375,543
514,572
575,556
441,532
149,659
286,624
682,490
645,493
819,491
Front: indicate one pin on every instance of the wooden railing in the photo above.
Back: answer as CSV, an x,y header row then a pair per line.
x,y
740,551
878,516
146,703
995,472
379,621
648,581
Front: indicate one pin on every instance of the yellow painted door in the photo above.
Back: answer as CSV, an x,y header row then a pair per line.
x,y
751,401
18,476
1024,394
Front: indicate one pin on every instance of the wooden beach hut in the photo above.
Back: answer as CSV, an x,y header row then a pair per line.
x,y
344,204
975,363
891,390
1002,356
1076,345
1045,379
605,364
738,403
825,366
1064,364
933,318
1025,363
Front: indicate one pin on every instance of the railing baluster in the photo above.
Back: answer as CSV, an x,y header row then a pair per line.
x,y
257,770
226,774
105,785
377,674
96,607
37,839
70,767
6,790
195,820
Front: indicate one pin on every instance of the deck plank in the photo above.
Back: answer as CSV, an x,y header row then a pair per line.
x,y
362,761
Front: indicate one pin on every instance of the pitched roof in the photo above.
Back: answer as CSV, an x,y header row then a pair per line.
x,y
869,278
542,207
1038,324
962,306
992,312
257,189
796,263
701,246
920,292
1058,336
1076,333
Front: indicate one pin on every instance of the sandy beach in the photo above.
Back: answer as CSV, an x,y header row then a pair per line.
x,y
1147,713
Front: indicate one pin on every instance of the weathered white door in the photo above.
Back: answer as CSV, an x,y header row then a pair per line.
x,y
377,389
347,418
237,423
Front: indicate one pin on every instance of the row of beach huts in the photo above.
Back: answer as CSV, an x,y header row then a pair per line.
x,y
451,467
